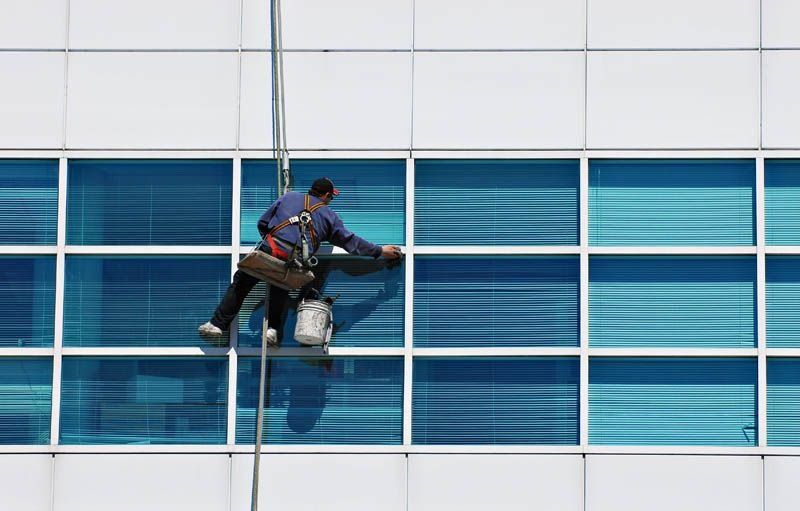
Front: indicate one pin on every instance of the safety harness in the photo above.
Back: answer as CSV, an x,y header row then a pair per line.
x,y
305,225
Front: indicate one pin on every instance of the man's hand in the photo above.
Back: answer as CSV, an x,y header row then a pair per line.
x,y
391,252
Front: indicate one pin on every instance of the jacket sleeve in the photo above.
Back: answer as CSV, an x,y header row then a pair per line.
x,y
352,244
263,222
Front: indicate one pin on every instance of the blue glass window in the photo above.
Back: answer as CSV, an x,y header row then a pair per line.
x,y
141,300
783,301
495,401
27,299
672,401
496,301
323,401
371,204
783,401
26,386
149,202
28,202
143,400
496,202
368,312
672,202
683,301
782,201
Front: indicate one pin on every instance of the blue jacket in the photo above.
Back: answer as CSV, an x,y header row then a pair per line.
x,y
327,224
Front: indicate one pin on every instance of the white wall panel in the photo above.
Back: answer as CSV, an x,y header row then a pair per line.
x,y
667,483
781,101
518,100
256,101
503,482
29,24
781,474
26,482
31,100
673,24
348,100
316,482
152,100
673,100
135,482
510,24
154,24
780,19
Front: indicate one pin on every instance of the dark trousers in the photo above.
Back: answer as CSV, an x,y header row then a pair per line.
x,y
234,297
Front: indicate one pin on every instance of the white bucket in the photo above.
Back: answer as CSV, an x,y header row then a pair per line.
x,y
313,322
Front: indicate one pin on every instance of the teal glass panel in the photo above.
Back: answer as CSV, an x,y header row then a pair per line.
x,y
782,201
149,202
495,401
783,402
26,386
672,301
124,400
368,313
496,301
496,202
672,202
27,299
673,401
28,202
783,301
371,203
141,300
338,400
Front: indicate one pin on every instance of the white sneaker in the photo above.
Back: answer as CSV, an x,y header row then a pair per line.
x,y
209,330
272,338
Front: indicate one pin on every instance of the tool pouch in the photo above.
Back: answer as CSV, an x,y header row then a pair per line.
x,y
270,269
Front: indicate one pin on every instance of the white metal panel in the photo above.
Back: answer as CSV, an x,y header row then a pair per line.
x,y
781,474
134,482
348,100
673,100
780,19
314,482
673,24
517,100
152,100
781,110
154,24
255,116
507,482
26,481
29,24
666,483
510,24
31,100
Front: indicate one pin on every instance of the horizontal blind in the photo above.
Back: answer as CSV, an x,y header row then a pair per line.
x,y
26,386
28,202
323,401
143,400
149,202
371,204
496,202
672,202
495,401
672,401
782,201
27,299
496,301
368,313
783,402
141,300
783,301
672,301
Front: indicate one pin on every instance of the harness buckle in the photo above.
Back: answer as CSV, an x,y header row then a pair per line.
x,y
305,218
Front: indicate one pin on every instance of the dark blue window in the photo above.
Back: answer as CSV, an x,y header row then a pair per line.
x,y
27,299
28,202
783,401
26,386
782,201
783,301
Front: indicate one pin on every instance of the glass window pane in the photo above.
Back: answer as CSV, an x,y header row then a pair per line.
x,y
496,202
782,201
339,400
672,401
371,204
783,301
495,401
496,301
149,202
26,386
27,299
28,202
672,202
143,400
141,300
672,301
783,401
368,312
